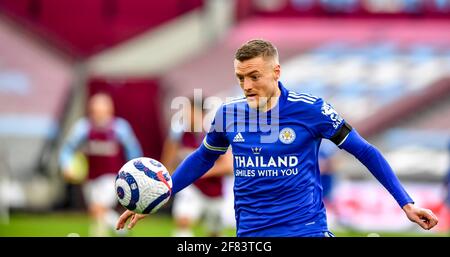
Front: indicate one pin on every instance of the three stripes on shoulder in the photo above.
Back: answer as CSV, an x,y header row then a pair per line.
x,y
235,100
300,97
293,97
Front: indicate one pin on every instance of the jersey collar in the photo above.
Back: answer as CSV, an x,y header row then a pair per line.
x,y
281,99
283,94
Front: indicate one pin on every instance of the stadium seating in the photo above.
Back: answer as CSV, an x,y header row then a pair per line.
x,y
104,23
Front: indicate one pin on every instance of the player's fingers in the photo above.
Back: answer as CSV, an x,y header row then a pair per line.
x,y
421,223
133,221
435,218
432,223
426,220
120,223
430,219
123,218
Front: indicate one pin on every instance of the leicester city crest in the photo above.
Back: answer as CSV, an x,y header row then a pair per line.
x,y
287,135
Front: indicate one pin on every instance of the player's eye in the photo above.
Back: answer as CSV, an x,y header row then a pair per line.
x,y
240,78
254,77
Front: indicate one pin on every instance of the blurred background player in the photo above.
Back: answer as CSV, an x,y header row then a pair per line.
x,y
106,141
204,198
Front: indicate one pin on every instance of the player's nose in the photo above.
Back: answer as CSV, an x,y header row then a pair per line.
x,y
248,85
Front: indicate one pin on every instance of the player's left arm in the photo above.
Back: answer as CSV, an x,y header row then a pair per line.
x,y
128,139
348,139
327,123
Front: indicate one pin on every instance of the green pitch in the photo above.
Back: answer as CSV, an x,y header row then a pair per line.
x,y
64,223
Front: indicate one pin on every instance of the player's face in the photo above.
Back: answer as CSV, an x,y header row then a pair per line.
x,y
258,78
101,109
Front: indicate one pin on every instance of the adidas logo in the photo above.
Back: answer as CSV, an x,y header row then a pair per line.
x,y
238,138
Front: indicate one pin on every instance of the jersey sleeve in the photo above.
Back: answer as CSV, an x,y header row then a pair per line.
x,y
128,139
216,140
325,121
77,136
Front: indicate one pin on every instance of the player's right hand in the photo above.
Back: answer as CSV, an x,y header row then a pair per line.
x,y
135,217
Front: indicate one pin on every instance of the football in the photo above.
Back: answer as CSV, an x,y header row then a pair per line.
x,y
143,185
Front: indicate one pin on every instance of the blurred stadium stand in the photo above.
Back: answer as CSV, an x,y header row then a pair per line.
x,y
35,82
384,65
56,53
85,27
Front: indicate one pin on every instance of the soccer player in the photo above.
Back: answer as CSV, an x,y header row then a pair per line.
x,y
275,134
204,198
107,141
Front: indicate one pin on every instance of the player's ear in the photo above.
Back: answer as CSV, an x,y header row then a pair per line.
x,y
277,71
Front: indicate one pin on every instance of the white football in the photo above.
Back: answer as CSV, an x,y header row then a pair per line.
x,y
143,185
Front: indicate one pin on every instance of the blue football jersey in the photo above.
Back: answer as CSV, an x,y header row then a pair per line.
x,y
277,185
